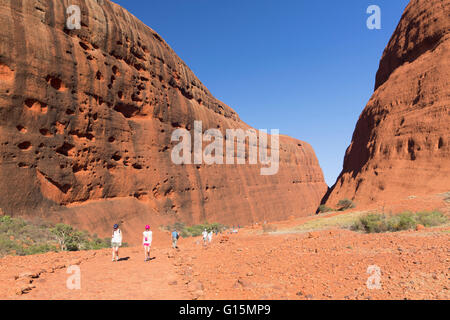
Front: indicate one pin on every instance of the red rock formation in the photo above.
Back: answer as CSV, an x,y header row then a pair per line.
x,y
86,118
400,146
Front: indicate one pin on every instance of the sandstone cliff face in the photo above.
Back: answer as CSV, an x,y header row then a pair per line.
x,y
86,118
400,146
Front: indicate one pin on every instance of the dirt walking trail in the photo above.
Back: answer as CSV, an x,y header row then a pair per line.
x,y
129,278
308,258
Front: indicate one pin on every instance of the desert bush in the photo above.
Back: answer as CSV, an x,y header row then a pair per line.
x,y
345,204
402,221
323,208
376,223
371,223
97,243
21,237
40,248
431,218
267,228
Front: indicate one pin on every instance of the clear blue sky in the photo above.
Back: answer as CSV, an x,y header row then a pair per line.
x,y
304,67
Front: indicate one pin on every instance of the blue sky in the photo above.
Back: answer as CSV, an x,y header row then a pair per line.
x,y
304,67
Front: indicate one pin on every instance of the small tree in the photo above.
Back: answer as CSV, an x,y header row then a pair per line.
x,y
346,204
68,238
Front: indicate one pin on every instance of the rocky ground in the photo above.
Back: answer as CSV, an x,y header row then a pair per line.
x,y
287,263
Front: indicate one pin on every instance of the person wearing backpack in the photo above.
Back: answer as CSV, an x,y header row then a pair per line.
x,y
175,237
116,242
147,242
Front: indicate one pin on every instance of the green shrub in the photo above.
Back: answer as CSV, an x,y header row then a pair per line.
x,y
376,223
402,221
431,218
345,204
21,237
323,208
41,248
371,223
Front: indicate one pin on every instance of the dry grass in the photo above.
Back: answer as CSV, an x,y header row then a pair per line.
x,y
344,220
269,228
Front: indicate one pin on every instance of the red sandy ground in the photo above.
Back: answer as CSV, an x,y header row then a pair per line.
x,y
327,264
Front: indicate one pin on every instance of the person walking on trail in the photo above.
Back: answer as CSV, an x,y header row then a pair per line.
x,y
210,235
175,237
147,242
116,242
205,236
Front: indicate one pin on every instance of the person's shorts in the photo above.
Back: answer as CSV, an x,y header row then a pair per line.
x,y
115,244
146,244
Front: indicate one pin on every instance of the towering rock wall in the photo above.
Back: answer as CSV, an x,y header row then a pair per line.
x,y
401,144
86,118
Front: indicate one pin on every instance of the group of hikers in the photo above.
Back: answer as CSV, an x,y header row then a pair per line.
x,y
147,237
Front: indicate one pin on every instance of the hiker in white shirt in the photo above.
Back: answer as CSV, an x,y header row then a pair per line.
x,y
210,234
205,236
116,242
147,242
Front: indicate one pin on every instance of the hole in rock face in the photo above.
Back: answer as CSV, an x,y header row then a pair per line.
x,y
84,46
411,149
137,166
78,167
111,139
65,148
21,129
440,143
45,132
24,145
36,106
116,157
99,75
127,110
56,83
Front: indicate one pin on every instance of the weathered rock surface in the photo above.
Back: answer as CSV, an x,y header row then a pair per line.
x,y
400,146
86,118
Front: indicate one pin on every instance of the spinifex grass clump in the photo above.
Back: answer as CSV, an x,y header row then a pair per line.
x,y
431,218
20,237
377,223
